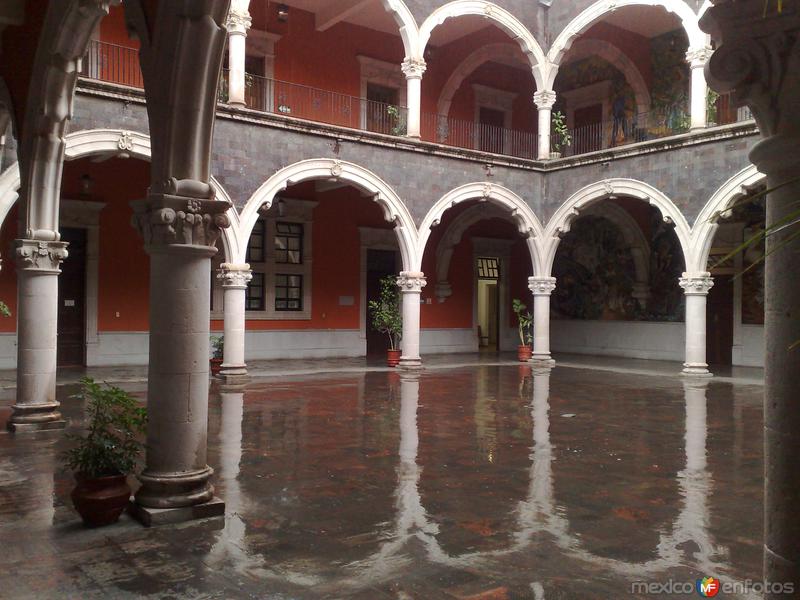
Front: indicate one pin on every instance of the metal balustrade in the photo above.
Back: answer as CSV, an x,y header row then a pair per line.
x,y
112,63
478,136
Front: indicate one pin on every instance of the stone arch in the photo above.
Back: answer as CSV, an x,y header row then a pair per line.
x,y
705,227
504,19
111,142
610,53
406,25
560,222
515,207
394,210
502,52
595,13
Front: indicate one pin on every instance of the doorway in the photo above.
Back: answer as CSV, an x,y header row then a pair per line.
x,y
588,129
719,320
491,122
488,304
71,346
380,263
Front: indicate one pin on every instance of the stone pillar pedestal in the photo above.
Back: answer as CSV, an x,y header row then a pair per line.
x,y
413,69
544,102
180,236
234,285
697,59
411,284
696,286
541,287
36,407
238,23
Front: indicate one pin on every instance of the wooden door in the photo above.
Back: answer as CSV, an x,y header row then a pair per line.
x,y
380,263
72,301
490,134
719,321
588,129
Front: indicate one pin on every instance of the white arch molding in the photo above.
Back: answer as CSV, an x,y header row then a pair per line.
x,y
596,12
111,142
329,169
610,53
515,207
406,25
705,226
504,19
576,204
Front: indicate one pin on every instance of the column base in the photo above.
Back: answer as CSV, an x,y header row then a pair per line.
x,y
13,427
233,374
543,360
149,517
175,490
696,370
35,417
410,363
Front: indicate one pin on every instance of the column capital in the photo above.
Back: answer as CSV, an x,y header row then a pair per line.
x,y
238,22
698,57
545,99
411,282
541,286
696,284
234,276
413,68
40,256
166,220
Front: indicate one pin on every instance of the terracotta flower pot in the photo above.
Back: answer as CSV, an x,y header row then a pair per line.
x,y
393,357
524,353
216,365
100,500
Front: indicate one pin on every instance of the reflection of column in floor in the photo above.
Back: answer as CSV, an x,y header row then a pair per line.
x,y
409,507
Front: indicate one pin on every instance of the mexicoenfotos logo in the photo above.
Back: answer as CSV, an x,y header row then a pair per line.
x,y
708,587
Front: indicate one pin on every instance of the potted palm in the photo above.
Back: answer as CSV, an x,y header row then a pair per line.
x,y
387,318
217,353
525,321
561,137
104,456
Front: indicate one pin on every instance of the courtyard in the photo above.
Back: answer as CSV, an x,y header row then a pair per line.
x,y
479,479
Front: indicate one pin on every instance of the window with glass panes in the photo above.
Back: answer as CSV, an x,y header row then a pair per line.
x,y
288,243
288,292
488,268
255,298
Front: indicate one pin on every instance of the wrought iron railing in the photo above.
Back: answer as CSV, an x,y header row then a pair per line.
x,y
726,111
478,136
116,64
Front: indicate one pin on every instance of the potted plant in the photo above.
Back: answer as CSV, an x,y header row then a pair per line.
x,y
217,353
525,321
106,454
561,137
387,318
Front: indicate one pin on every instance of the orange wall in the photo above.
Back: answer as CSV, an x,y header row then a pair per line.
x,y
8,275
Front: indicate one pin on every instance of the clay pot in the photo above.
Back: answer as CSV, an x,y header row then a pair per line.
x,y
216,365
393,357
100,500
524,353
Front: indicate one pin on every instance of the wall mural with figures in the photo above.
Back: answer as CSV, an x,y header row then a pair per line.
x,y
597,277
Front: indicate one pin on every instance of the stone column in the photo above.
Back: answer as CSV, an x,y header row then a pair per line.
x,y
541,287
413,69
544,102
411,284
697,59
759,60
696,286
238,23
234,285
180,235
36,407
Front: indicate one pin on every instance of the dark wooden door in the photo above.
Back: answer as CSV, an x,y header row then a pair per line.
x,y
719,321
588,129
72,301
491,130
379,99
380,263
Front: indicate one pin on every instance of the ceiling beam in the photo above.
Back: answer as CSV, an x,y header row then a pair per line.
x,y
338,11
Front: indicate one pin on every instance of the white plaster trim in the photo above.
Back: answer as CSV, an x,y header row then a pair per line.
x,y
394,210
632,339
520,213
569,210
504,19
447,341
599,9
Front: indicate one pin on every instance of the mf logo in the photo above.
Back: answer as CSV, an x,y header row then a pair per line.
x,y
708,587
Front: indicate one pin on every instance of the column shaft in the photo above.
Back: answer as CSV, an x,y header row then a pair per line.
x,y
411,284
238,24
541,287
544,103
698,108
234,284
696,287
413,70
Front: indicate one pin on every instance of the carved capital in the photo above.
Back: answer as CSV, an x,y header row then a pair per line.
x,y
541,286
36,255
238,22
758,60
413,68
411,282
698,57
545,99
234,276
164,220
696,284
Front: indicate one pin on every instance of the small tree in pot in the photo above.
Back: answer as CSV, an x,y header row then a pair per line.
x,y
387,317
217,353
561,137
525,321
106,454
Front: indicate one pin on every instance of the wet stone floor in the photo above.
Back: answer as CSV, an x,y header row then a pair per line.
x,y
486,482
